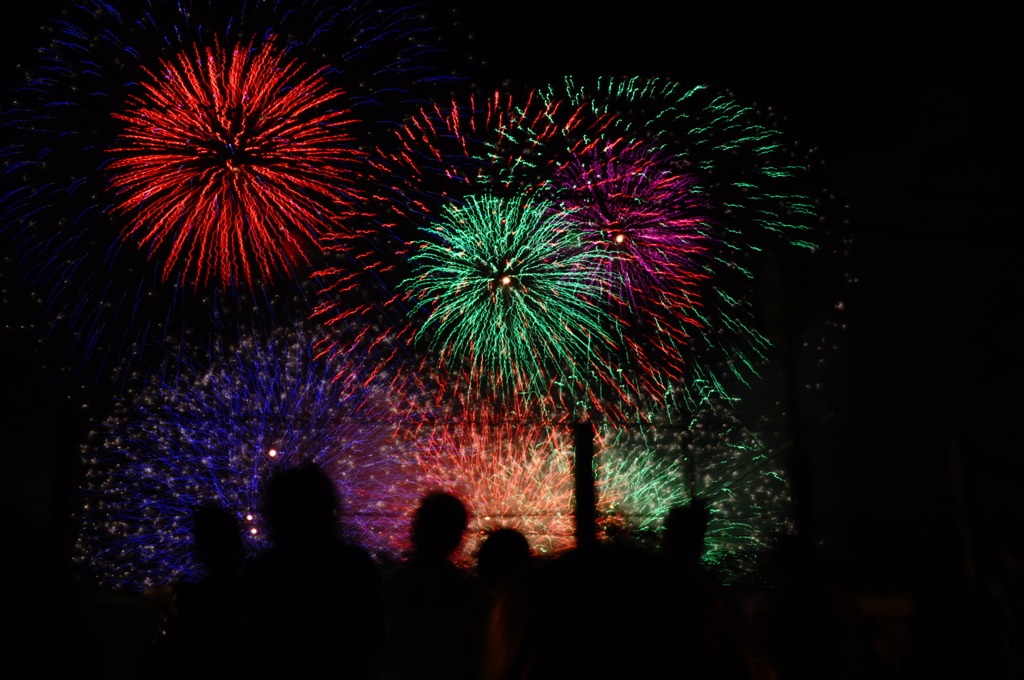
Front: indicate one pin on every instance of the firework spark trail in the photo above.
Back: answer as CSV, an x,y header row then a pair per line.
x,y
511,297
495,145
226,159
213,433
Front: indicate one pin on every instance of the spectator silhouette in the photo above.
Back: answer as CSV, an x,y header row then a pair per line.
x,y
710,620
503,553
601,612
201,628
434,615
686,528
314,600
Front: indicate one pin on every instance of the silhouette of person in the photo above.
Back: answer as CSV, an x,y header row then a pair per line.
x,y
313,599
503,553
599,612
434,616
709,618
200,630
686,527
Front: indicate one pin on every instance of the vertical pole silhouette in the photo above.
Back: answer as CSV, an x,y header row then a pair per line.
x,y
583,475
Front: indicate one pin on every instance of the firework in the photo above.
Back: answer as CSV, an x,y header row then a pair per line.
x,y
629,201
496,145
213,433
93,151
714,460
441,156
226,162
511,302
647,218
509,475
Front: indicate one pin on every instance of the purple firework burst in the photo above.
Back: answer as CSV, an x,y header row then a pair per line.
x,y
632,201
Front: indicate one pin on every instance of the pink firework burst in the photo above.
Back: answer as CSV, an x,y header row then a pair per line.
x,y
634,203
233,163
629,200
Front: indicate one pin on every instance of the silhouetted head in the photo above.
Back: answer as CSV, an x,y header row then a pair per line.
x,y
438,525
300,505
502,552
685,527
217,539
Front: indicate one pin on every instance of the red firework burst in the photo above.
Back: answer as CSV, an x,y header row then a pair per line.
x,y
510,474
233,163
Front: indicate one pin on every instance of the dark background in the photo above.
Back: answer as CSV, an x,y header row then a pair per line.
x,y
908,453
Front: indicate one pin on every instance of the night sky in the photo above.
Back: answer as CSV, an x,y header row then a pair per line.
x,y
914,124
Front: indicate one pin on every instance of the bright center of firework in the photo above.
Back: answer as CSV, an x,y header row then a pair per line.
x,y
226,166
506,280
231,141
272,453
619,238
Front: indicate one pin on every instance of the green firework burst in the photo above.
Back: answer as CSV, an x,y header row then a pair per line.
x,y
713,460
512,298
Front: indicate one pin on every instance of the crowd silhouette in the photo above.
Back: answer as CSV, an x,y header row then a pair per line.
x,y
313,605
